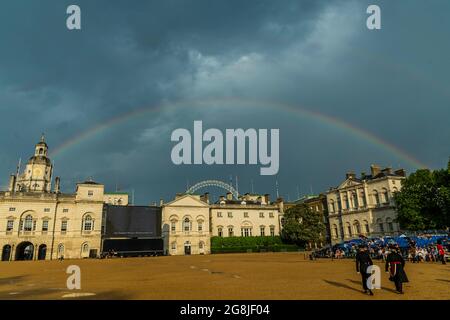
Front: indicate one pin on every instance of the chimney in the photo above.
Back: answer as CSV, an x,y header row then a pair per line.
x,y
222,198
161,202
350,175
57,185
280,203
375,170
229,196
387,170
400,172
266,198
12,183
259,200
363,175
205,197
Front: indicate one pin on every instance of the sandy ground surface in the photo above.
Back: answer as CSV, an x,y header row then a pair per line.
x,y
230,276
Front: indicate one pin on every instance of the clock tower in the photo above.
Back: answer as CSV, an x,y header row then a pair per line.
x,y
37,175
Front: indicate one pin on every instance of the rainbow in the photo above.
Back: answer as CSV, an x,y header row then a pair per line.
x,y
322,118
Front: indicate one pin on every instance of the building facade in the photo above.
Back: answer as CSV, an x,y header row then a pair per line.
x,y
364,206
38,222
190,221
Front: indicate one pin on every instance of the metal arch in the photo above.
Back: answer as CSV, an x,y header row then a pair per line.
x,y
213,183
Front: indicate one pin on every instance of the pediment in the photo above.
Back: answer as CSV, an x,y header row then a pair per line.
x,y
349,183
187,201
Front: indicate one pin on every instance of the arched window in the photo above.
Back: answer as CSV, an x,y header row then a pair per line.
x,y
335,231
363,198
332,206
366,226
349,229
355,200
347,203
186,224
385,196
376,197
230,231
357,227
28,225
262,230
220,231
380,225
173,226
389,224
87,223
41,151
200,225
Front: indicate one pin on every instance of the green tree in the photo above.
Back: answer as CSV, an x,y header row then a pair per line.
x,y
302,226
424,200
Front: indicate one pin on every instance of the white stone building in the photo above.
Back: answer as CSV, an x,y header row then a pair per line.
x,y
37,222
364,206
189,221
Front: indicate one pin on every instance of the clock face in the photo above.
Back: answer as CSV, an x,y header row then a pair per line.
x,y
37,172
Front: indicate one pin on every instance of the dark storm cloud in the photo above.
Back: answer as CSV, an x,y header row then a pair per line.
x,y
317,54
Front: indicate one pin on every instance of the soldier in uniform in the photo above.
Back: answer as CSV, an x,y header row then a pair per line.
x,y
363,261
395,265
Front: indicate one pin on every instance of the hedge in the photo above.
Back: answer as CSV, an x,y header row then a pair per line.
x,y
253,244
280,248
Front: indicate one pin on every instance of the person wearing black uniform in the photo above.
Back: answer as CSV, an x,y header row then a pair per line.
x,y
363,261
395,265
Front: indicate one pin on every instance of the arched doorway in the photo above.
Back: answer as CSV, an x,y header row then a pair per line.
x,y
6,252
187,248
25,251
42,252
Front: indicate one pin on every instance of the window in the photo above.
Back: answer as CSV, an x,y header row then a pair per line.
x,y
246,232
28,223
390,224
219,214
355,200
12,209
230,232
200,226
174,246
349,230
45,226
85,248
187,225
64,226
376,197
385,196
230,214
9,225
262,231
332,207
46,209
261,214
173,226
272,231
65,210
271,215
380,225
220,232
335,231
363,199
366,227
357,227
347,204
245,214
60,249
90,193
87,223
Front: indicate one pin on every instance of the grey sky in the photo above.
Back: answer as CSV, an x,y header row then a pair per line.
x,y
318,55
